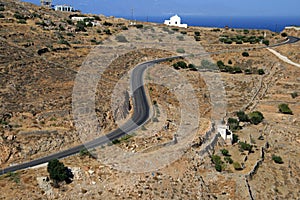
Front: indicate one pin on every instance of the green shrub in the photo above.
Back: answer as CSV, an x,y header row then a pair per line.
x,y
180,38
294,95
180,50
284,34
277,159
21,21
245,147
13,176
19,16
235,138
229,62
237,166
124,28
248,71
121,38
246,31
1,15
225,152
233,124
237,70
62,41
217,161
197,38
243,117
57,170
256,117
2,8
139,26
107,23
266,42
245,54
80,26
180,64
261,72
228,160
197,33
220,63
284,108
107,32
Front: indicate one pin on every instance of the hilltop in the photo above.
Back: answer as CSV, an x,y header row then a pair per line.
x,y
41,54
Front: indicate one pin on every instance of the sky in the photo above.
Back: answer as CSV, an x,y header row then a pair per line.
x,y
187,7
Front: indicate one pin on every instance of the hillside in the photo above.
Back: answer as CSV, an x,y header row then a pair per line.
x,y
43,51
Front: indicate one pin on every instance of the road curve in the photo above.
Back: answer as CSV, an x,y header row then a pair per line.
x,y
140,115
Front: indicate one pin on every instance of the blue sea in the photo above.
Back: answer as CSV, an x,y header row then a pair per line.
x,y
275,24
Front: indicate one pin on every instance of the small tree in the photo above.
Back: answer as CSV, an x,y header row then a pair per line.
x,y
233,124
284,108
57,171
225,152
256,117
294,95
261,72
237,166
245,54
277,159
243,117
284,34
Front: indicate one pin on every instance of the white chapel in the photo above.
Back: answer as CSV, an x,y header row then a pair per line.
x,y
175,21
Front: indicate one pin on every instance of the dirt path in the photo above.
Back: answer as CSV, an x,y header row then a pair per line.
x,y
283,58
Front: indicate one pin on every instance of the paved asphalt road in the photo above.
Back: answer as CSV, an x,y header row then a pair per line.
x,y
139,117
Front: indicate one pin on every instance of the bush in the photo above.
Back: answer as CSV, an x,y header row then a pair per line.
x,y
19,16
2,16
80,26
180,64
229,62
84,152
180,50
237,166
294,95
107,32
237,70
180,38
266,42
233,124
57,170
243,117
245,147
62,41
124,28
256,117
2,8
228,160
245,54
21,21
107,23
197,33
220,63
284,34
121,38
197,38
246,31
248,71
284,108
235,138
139,26
225,152
261,72
277,159
217,161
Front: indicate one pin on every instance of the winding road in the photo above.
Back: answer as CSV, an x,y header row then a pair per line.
x,y
140,115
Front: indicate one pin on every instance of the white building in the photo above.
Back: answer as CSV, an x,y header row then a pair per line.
x,y
175,21
64,8
225,133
